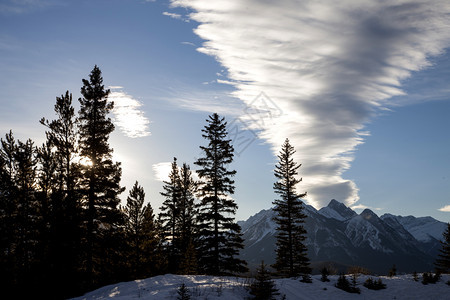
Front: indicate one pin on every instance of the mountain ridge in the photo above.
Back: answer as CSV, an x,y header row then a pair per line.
x,y
338,234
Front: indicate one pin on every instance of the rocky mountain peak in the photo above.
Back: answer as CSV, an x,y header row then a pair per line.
x,y
337,210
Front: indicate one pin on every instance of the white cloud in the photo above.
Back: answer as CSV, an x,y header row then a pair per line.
x,y
328,65
446,208
205,101
362,206
175,16
128,116
162,170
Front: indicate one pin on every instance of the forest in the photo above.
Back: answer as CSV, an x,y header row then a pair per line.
x,y
62,223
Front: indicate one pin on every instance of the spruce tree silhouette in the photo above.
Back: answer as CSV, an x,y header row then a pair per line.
x,y
291,252
220,235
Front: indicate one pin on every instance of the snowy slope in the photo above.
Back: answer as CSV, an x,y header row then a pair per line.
x,y
233,288
424,229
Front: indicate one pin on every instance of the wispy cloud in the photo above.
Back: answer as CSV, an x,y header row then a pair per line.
x,y
362,206
175,16
328,65
445,208
188,43
128,115
26,6
207,101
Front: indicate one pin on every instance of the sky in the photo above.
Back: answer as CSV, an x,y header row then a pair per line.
x,y
360,88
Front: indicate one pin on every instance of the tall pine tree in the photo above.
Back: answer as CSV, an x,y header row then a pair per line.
x,y
63,204
187,214
169,217
140,233
443,261
8,192
100,181
291,252
219,234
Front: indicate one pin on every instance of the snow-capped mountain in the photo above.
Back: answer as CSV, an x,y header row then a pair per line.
x,y
337,210
338,234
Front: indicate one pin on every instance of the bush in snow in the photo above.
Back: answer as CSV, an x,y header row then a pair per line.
x,y
374,284
263,287
325,274
183,292
393,271
428,277
306,278
344,284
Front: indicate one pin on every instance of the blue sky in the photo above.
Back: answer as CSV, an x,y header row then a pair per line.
x,y
361,89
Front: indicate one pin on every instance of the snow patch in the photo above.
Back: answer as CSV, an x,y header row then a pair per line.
x,y
234,288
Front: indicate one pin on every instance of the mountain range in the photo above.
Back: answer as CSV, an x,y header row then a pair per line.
x,y
338,237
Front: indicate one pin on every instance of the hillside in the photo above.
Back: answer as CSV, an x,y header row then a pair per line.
x,y
232,288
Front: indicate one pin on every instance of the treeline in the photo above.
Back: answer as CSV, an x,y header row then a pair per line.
x,y
63,231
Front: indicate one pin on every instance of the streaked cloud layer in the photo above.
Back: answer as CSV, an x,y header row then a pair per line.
x,y
328,65
128,115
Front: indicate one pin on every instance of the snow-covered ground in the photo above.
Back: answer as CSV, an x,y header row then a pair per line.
x,y
233,288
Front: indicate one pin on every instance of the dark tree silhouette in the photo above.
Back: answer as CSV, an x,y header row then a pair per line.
x,y
220,235
291,253
443,261
140,233
100,179
27,218
263,288
183,292
8,203
169,217
59,173
187,215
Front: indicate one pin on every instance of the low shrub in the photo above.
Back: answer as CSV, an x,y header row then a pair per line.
x,y
374,284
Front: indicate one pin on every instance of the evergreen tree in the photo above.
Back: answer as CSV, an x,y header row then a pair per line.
x,y
169,217
183,292
178,215
150,241
26,214
325,274
443,261
8,206
62,200
27,219
100,181
393,271
343,284
140,232
291,252
187,215
263,288
189,264
220,235
21,221
371,284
